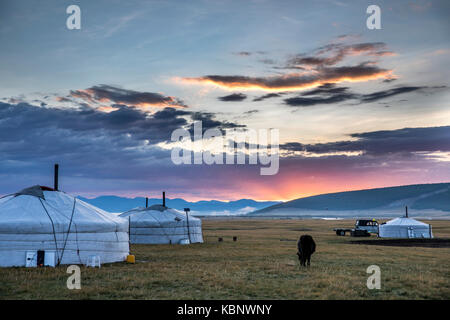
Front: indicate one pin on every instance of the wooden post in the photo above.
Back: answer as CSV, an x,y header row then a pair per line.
x,y
187,220
129,232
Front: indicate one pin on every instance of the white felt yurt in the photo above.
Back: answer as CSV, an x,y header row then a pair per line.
x,y
404,227
158,224
39,225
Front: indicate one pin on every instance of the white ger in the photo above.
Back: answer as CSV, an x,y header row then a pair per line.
x,y
405,227
43,226
159,224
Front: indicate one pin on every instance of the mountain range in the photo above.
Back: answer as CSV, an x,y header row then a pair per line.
x,y
426,200
423,200
213,207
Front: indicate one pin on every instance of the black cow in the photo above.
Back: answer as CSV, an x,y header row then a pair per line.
x,y
306,247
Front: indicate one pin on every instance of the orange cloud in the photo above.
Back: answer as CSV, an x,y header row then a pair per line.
x,y
316,69
293,81
107,109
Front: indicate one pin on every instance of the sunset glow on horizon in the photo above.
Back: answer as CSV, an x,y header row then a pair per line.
x,y
353,107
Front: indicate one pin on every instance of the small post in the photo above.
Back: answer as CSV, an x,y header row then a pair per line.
x,y
406,211
164,198
55,186
146,202
187,221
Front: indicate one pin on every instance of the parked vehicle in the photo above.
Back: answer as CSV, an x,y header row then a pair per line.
x,y
363,228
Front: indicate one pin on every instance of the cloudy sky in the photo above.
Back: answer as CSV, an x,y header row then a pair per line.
x,y
355,108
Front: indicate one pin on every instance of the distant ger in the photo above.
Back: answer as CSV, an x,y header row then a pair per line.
x,y
405,228
159,224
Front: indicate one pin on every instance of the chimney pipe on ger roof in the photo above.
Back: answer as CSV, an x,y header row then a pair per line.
x,y
55,186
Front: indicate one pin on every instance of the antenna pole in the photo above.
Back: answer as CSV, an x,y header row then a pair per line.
x,y
164,198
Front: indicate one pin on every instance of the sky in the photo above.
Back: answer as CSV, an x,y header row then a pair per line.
x,y
355,108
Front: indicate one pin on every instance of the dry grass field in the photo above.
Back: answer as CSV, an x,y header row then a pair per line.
x,y
262,264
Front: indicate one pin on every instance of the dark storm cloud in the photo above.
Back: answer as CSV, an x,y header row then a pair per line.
x,y
233,97
96,151
330,93
24,123
209,122
92,146
334,53
63,99
314,61
326,88
85,141
267,96
81,94
325,94
106,93
406,140
24,118
388,93
306,102
380,143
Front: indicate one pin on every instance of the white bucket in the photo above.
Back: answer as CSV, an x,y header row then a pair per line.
x,y
184,241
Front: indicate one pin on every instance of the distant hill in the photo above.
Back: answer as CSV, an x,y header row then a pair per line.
x,y
420,197
121,204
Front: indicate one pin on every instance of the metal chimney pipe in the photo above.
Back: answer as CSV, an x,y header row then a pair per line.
x,y
164,198
56,177
146,202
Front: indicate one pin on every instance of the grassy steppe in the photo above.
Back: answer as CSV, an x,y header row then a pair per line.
x,y
262,264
